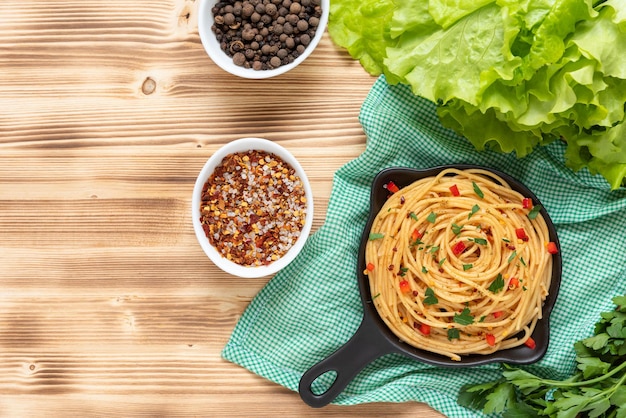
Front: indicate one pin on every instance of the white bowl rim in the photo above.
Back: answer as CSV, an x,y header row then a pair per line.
x,y
242,145
212,47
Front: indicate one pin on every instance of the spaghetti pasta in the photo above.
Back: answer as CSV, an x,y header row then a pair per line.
x,y
457,263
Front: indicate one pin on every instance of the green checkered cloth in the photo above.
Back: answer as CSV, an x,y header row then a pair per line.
x,y
312,307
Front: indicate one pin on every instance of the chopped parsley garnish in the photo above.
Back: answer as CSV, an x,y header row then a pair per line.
x,y
375,296
534,212
475,209
424,269
521,259
467,266
453,333
374,236
477,190
464,318
430,298
480,241
413,216
482,318
442,261
456,229
403,271
497,285
512,256
434,249
506,240
432,217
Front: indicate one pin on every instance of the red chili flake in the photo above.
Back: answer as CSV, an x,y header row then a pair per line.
x,y
513,283
415,235
497,314
458,248
404,286
370,266
491,339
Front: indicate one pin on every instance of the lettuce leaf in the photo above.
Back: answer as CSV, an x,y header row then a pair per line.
x,y
508,75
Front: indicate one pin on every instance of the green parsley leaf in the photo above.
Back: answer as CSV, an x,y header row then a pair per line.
x,y
475,209
482,318
375,296
477,190
413,216
432,217
497,285
403,271
521,260
442,261
434,249
534,212
506,240
374,236
512,256
424,269
464,318
456,229
467,266
453,333
480,241
430,298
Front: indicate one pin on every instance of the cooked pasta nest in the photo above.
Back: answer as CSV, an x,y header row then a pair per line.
x,y
459,263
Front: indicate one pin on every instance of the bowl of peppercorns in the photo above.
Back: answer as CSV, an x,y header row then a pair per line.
x,y
261,38
252,207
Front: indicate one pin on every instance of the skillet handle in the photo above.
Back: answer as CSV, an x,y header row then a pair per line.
x,y
365,346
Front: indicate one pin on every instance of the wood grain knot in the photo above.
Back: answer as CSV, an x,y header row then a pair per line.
x,y
149,86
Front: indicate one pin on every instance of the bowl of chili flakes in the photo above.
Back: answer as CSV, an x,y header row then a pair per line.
x,y
252,207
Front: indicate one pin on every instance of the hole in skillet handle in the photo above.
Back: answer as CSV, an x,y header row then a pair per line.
x,y
522,354
366,345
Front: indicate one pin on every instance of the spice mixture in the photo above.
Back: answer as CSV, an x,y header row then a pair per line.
x,y
253,208
265,34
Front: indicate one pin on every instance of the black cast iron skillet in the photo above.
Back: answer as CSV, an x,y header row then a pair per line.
x,y
373,338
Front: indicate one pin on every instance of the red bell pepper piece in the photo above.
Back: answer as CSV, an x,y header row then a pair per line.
x,y
405,287
527,203
530,343
392,187
552,249
521,234
491,339
454,189
458,248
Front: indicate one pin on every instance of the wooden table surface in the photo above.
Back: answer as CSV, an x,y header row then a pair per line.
x,y
108,110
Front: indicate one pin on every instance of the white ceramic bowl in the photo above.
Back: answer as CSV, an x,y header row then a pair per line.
x,y
242,145
219,57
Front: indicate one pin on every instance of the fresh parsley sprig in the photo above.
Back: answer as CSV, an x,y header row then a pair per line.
x,y
597,389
